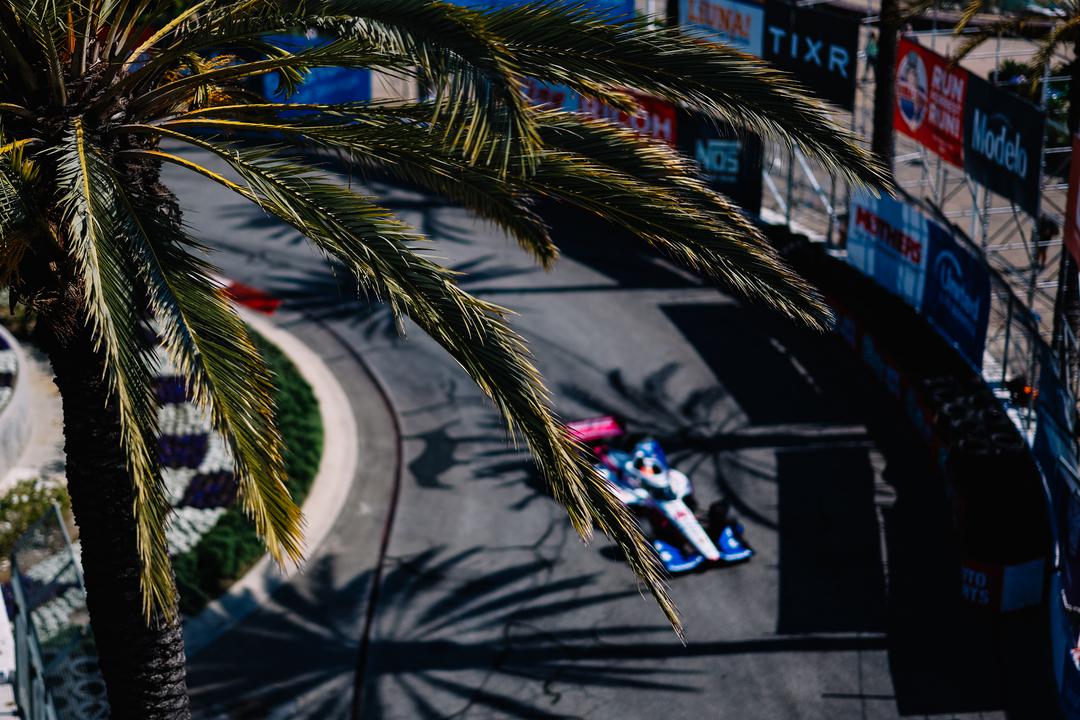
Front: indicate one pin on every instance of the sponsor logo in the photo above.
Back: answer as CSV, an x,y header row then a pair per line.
x,y
965,304
911,90
651,121
997,144
803,48
719,158
726,18
906,246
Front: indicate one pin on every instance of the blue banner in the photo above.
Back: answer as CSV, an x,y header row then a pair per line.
x,y
617,8
327,86
956,298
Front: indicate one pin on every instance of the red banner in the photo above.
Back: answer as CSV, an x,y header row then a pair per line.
x,y
930,101
1072,207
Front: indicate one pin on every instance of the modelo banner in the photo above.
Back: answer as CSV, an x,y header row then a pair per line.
x,y
738,23
818,47
886,241
730,160
956,297
930,101
655,118
1003,141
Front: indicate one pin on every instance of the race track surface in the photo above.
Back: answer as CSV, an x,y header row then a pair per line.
x,y
490,607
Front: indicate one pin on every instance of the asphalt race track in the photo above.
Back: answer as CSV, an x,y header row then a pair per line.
x,y
488,605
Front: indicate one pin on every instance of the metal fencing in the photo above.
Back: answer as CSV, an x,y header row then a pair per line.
x,y
56,673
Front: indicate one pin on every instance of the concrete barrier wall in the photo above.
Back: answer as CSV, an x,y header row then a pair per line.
x,y
14,411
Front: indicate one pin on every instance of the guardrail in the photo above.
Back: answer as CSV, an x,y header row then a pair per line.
x,y
56,669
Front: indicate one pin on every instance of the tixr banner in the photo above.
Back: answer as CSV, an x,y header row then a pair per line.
x,y
815,45
729,159
930,101
1003,141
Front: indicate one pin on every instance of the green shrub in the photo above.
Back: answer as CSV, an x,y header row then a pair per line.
x,y
21,507
231,547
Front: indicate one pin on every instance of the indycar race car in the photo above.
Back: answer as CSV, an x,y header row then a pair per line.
x,y
662,497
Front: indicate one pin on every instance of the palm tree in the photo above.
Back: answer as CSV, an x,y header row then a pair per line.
x,y
96,95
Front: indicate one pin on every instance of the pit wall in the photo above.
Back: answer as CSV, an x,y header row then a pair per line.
x,y
993,484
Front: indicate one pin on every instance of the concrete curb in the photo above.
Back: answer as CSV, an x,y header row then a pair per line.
x,y
324,502
14,428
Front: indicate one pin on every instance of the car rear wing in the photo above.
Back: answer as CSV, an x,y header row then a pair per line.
x,y
593,429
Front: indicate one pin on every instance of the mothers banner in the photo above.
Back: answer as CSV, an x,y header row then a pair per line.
x,y
926,264
995,136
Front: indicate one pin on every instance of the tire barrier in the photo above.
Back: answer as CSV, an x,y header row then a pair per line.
x,y
992,482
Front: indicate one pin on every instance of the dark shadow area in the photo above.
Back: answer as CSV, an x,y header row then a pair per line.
x,y
831,573
743,347
609,250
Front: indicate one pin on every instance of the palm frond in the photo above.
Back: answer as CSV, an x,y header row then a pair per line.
x,y
379,251
209,345
109,282
562,43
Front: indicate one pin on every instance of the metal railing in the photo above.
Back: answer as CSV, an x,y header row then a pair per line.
x,y
56,669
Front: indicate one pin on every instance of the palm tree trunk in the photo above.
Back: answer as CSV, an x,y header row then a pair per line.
x,y
881,143
143,665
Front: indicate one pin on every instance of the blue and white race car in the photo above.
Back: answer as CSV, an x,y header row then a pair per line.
x,y
663,497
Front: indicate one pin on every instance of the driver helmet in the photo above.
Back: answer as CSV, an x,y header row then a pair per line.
x,y
649,471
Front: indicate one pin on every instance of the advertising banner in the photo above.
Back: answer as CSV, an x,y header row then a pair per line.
x,y
738,23
655,118
730,160
324,85
1072,207
930,101
817,46
956,298
1003,141
617,8
887,241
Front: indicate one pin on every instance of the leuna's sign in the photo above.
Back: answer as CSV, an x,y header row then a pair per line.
x,y
993,135
738,23
817,46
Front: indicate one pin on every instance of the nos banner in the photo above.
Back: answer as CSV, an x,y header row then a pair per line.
x,y
817,46
956,298
887,240
1072,207
930,101
738,23
730,160
1003,141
